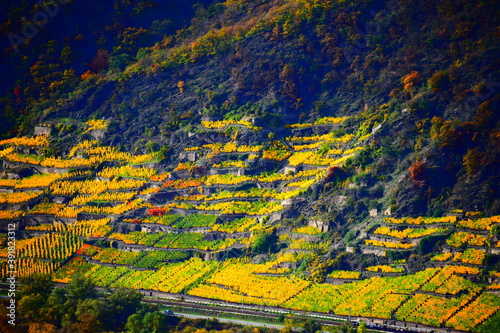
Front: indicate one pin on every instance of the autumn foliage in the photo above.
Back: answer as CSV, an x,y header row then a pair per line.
x,y
157,211
411,80
417,172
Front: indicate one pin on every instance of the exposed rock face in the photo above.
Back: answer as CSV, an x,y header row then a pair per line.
x,y
43,130
98,134
323,226
189,156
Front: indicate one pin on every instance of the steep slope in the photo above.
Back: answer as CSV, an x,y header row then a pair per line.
x,y
432,86
48,48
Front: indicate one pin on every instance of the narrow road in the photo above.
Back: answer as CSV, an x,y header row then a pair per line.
x,y
233,321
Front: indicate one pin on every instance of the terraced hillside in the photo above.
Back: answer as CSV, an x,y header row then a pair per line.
x,y
223,220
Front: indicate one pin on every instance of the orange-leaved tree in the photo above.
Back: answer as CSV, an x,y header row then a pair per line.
x,y
417,172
